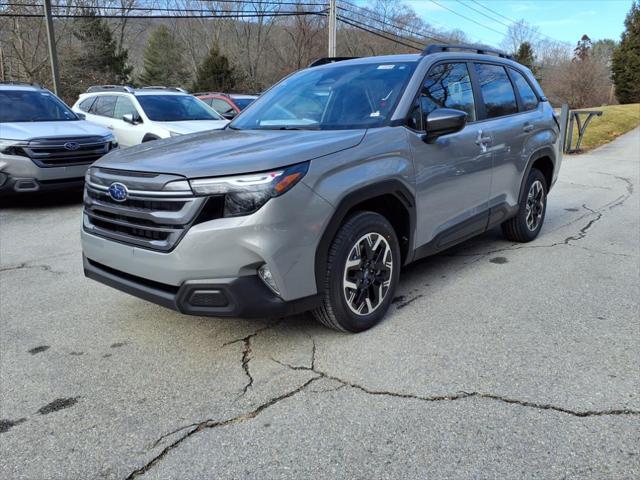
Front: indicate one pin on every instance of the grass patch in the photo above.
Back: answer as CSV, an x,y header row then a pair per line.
x,y
615,120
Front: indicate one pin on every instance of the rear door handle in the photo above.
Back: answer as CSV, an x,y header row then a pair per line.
x,y
528,127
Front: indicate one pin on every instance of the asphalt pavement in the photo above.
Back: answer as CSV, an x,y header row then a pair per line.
x,y
496,360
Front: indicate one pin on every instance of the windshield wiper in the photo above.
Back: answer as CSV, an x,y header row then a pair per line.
x,y
290,127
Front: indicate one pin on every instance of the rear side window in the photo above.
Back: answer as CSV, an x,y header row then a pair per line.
x,y
85,105
528,96
104,106
124,106
497,92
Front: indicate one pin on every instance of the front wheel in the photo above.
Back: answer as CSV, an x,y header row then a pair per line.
x,y
362,271
526,225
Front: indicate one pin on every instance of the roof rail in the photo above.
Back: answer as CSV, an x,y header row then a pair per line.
x,y
162,87
325,60
110,88
26,84
470,48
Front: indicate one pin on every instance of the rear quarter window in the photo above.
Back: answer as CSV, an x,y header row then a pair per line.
x,y
528,96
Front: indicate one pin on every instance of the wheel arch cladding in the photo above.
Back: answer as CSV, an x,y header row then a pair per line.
x,y
390,198
542,160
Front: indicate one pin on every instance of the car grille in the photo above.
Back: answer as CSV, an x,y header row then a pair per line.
x,y
52,152
148,218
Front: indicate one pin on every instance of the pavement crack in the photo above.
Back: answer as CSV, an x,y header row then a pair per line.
x,y
211,424
246,358
246,353
27,266
458,395
583,231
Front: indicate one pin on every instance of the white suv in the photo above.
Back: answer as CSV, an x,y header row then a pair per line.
x,y
149,113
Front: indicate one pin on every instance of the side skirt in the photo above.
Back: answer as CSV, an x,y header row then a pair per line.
x,y
470,228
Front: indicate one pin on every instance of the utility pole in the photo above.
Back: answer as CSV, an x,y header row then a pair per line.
x,y
53,54
332,28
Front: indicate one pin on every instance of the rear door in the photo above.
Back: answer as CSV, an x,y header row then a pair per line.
x,y
101,112
453,174
509,126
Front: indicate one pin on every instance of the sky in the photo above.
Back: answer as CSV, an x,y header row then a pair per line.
x,y
564,20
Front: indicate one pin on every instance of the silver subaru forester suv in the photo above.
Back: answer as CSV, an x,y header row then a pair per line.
x,y
315,196
44,146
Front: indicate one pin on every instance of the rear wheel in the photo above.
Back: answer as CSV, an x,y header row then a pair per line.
x,y
526,225
363,268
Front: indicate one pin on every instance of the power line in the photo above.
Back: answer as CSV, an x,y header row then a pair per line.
x,y
531,29
382,22
395,20
493,11
466,18
349,22
386,33
230,15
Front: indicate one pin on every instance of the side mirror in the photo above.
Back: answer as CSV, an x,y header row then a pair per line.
x,y
129,118
443,121
81,116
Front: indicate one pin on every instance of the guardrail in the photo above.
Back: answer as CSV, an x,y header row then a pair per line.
x,y
582,125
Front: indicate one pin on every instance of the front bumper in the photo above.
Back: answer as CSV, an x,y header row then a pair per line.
x,y
20,174
241,297
18,185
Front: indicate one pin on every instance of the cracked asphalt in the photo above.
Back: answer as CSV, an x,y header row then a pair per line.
x,y
497,360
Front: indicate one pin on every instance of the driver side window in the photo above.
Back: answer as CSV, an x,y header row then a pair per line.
x,y
446,86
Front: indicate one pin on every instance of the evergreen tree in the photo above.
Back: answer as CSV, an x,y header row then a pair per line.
x,y
163,64
626,59
95,59
525,56
583,49
214,73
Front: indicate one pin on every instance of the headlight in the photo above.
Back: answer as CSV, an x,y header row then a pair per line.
x,y
245,194
111,140
12,147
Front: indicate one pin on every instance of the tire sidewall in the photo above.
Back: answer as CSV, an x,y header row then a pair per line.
x,y
534,175
358,226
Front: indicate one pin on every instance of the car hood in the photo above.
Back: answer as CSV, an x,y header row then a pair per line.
x,y
31,130
191,126
230,152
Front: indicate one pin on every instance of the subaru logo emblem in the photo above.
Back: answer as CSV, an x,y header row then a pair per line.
x,y
118,192
71,146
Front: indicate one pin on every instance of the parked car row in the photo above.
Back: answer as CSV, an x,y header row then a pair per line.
x,y
140,115
227,105
45,145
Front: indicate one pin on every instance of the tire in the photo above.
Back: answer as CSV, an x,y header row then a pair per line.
x,y
367,238
527,223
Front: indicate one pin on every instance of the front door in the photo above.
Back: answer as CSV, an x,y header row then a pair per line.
x,y
453,174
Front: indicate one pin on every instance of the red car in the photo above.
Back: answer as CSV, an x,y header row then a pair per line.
x,y
226,104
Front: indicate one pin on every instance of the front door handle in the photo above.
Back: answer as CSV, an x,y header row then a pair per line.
x,y
110,127
482,141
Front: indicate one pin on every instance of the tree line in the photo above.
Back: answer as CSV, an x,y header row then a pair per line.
x,y
250,53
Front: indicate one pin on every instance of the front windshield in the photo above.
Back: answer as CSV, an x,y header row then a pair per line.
x,y
33,106
336,98
176,108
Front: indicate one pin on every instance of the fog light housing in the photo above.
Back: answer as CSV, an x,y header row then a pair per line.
x,y
267,277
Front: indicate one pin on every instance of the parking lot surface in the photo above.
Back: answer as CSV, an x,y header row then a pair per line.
x,y
497,360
